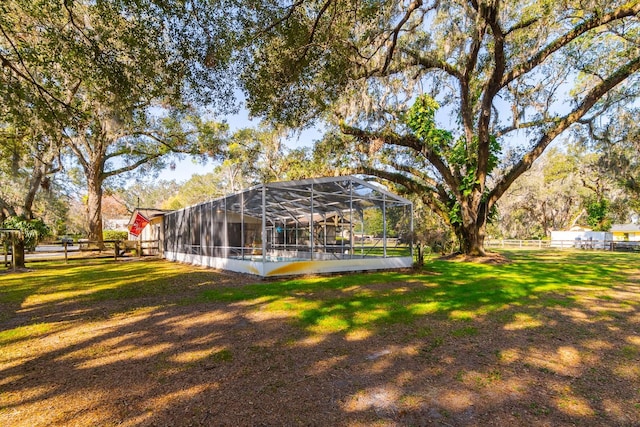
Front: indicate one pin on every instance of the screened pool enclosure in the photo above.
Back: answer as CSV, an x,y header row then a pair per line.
x,y
319,225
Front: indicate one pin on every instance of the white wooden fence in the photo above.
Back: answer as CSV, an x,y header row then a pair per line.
x,y
609,245
516,243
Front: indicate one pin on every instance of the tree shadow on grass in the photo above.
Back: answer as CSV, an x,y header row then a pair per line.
x,y
528,343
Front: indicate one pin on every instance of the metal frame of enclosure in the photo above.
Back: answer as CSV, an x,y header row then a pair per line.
x,y
296,227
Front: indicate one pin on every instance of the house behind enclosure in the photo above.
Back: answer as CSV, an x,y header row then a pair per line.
x,y
295,227
115,224
149,241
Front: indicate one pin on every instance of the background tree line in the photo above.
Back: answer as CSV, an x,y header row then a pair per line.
x,y
98,90
568,186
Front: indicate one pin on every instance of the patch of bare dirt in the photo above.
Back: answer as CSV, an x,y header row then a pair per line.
x,y
492,258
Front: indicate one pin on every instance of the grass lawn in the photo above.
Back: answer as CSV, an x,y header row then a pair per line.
x,y
550,338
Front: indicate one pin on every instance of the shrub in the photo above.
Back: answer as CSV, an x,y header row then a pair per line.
x,y
33,230
115,235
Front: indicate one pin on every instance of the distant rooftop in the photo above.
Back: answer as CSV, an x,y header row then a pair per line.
x,y
625,228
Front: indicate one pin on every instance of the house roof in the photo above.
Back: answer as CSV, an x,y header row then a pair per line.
x,y
579,228
625,228
148,213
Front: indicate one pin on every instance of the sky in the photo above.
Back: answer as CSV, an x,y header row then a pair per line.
x,y
188,167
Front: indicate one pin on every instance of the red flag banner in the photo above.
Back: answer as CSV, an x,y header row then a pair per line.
x,y
138,224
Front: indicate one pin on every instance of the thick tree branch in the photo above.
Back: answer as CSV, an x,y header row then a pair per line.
x,y
466,97
314,28
68,4
432,63
561,125
490,14
429,195
409,142
418,173
521,25
415,4
474,49
282,20
76,143
630,9
432,185
131,167
6,209
527,125
162,141
29,78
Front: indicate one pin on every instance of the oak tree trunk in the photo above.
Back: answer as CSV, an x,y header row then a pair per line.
x,y
472,231
94,209
472,239
17,252
34,186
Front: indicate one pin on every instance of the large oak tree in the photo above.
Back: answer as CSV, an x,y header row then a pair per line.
x,y
428,93
100,72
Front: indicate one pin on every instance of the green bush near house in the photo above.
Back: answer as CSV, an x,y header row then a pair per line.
x,y
115,235
33,230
